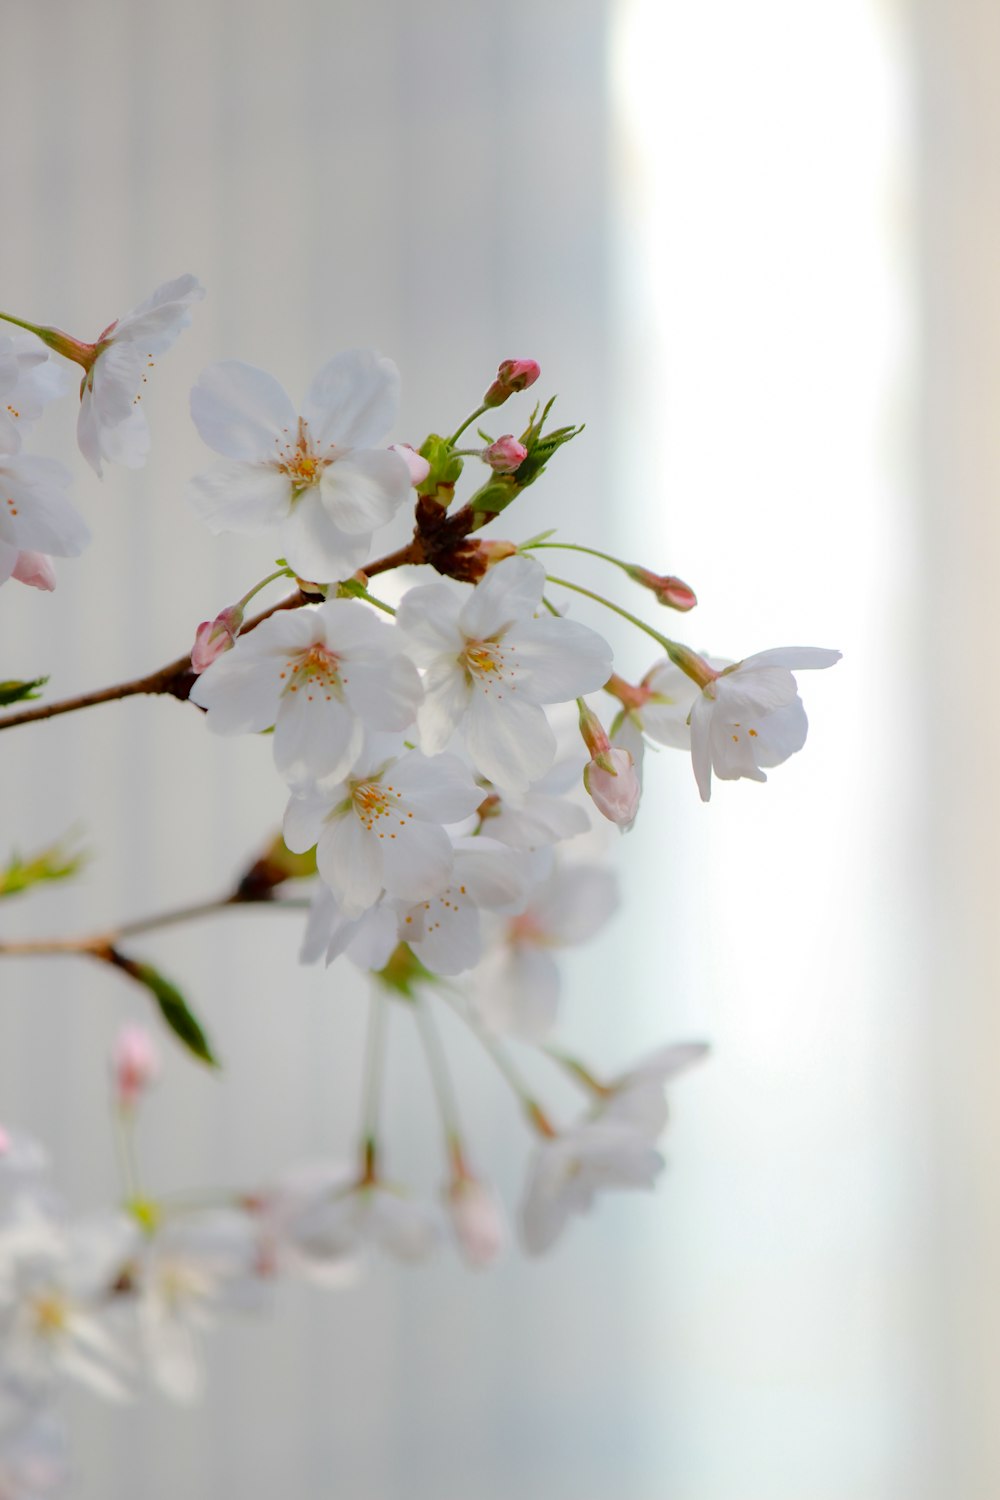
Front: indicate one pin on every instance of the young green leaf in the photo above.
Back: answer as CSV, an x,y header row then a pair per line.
x,y
20,692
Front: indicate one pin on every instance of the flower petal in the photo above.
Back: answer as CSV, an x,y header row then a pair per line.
x,y
353,400
512,590
558,659
316,547
242,497
511,743
363,490
243,412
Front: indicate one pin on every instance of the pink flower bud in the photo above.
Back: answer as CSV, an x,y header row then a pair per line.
x,y
36,570
213,637
506,454
614,787
673,592
595,736
418,466
513,375
476,1219
135,1064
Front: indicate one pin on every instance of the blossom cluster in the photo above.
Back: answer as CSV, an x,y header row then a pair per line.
x,y
450,763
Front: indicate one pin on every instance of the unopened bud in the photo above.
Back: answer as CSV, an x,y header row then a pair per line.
x,y
673,592
36,570
613,784
506,454
213,637
135,1065
418,466
476,1219
595,736
512,375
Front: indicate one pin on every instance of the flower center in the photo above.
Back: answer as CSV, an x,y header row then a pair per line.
x,y
316,671
378,805
50,1313
297,457
487,663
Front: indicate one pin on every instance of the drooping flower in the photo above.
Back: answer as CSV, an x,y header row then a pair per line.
x,y
750,716
637,1096
29,380
569,1171
476,1219
383,827
445,930
112,426
365,1214
316,478
491,665
517,987
321,677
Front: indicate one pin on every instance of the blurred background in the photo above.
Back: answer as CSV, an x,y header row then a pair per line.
x,y
754,248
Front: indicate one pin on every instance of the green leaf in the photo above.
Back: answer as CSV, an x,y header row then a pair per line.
x,y
173,1007
20,692
58,862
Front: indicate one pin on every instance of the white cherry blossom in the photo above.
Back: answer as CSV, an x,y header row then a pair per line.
x,y
637,1096
367,1214
112,426
445,930
542,815
383,827
35,514
517,986
29,380
569,1171
751,716
315,479
491,665
320,676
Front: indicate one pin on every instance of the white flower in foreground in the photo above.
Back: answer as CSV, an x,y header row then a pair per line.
x,y
321,677
383,828
445,931
112,426
517,988
35,515
491,665
567,1173
364,1214
750,716
315,478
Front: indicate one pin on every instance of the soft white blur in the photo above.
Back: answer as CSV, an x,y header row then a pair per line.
x,y
701,220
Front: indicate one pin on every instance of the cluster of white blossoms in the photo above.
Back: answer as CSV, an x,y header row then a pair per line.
x,y
448,773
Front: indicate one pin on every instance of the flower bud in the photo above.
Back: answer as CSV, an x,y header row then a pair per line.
x,y
513,375
673,592
595,736
476,1219
613,785
135,1065
418,466
506,454
36,570
213,637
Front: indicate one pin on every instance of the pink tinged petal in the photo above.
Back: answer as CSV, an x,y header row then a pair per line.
x,y
243,412
477,1220
447,695
353,400
417,467
510,742
557,660
512,590
316,547
305,819
615,794
438,788
315,738
385,694
363,490
241,497
780,734
349,859
241,697
701,748
36,570
416,859
428,617
794,658
35,515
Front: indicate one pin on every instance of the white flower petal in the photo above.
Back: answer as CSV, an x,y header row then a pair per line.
x,y
243,412
558,659
241,497
701,749
315,546
428,617
363,490
416,860
512,590
315,736
510,742
794,658
353,400
349,859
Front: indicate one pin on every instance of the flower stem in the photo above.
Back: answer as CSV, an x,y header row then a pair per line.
x,y
437,1067
467,423
690,663
511,1076
372,1093
575,547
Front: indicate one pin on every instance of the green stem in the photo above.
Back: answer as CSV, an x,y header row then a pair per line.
x,y
281,573
689,662
374,1065
437,1067
467,423
579,1073
510,1074
20,323
575,547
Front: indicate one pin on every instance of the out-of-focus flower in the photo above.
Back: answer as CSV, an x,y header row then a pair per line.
x,y
569,1171
361,1215
476,1218
135,1064
35,515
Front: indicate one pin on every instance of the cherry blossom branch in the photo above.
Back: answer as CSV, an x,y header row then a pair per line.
x,y
682,656
175,679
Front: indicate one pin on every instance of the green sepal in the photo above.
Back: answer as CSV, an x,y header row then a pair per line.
x,y
446,469
20,692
